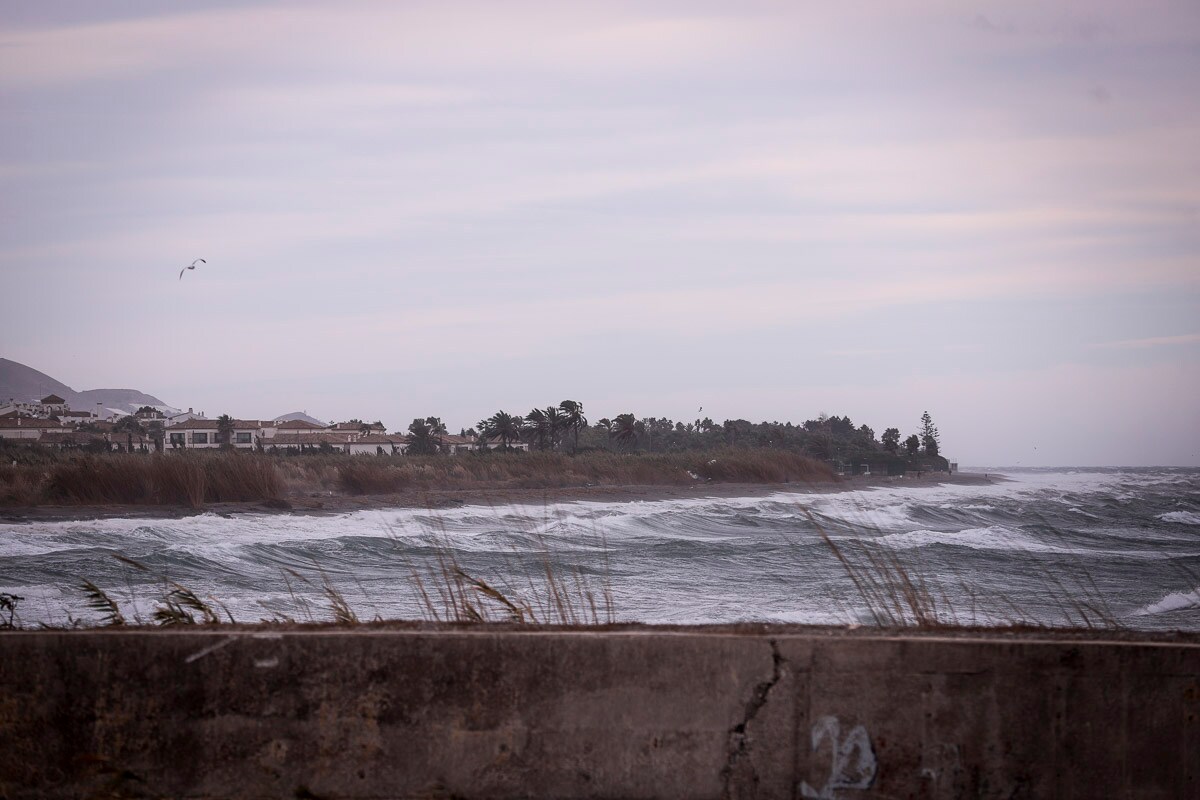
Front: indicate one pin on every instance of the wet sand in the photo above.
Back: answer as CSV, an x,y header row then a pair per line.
x,y
496,497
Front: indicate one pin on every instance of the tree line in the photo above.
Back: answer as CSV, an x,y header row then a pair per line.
x,y
565,428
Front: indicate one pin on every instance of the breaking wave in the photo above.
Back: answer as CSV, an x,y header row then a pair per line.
x,y
714,559
1183,517
1176,601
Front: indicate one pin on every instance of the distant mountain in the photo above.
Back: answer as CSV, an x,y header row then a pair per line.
x,y
300,415
22,383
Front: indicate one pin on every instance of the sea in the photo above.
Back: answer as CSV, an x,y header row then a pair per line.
x,y
1104,548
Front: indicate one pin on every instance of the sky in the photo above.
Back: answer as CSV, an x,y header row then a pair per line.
x,y
990,211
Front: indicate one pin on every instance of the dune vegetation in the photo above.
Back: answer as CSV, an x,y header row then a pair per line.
x,y
196,479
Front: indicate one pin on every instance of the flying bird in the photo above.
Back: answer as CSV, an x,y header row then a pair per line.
x,y
190,266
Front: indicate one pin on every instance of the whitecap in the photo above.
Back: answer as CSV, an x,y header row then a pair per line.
x,y
995,537
1184,517
15,545
1175,601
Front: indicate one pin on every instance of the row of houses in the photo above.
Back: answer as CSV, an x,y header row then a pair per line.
x,y
299,435
191,431
295,434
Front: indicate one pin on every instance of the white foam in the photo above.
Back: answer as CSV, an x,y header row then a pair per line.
x,y
1184,517
32,545
1172,602
859,510
996,537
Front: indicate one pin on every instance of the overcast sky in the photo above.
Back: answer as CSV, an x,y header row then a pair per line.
x,y
771,210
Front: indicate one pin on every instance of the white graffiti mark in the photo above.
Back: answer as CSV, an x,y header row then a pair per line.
x,y
852,759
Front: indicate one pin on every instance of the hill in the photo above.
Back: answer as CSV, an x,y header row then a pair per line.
x,y
23,384
300,415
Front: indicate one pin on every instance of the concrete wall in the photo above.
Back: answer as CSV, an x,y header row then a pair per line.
x,y
622,713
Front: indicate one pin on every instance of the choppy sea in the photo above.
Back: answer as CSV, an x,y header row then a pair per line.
x,y
1051,546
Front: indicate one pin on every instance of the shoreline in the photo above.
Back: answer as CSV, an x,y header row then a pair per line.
x,y
335,504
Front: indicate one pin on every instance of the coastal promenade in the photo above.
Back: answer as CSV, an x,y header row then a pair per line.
x,y
621,711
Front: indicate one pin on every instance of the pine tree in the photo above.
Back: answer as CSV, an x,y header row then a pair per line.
x,y
929,436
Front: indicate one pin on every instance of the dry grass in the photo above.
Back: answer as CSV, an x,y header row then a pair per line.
x,y
20,485
368,475
190,480
195,479
534,587
364,477
897,593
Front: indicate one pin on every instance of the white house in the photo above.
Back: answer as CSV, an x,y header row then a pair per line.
x,y
378,444
285,440
70,440
184,416
28,429
49,406
77,418
464,444
202,434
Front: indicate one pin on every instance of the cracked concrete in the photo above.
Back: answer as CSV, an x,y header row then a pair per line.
x,y
636,713
739,777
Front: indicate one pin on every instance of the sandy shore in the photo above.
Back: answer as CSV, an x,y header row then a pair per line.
x,y
330,504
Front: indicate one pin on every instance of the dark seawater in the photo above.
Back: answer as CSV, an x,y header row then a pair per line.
x,y
1052,546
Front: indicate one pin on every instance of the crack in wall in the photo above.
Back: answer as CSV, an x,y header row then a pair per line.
x,y
737,750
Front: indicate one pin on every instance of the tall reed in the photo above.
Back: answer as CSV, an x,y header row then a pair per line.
x,y
193,479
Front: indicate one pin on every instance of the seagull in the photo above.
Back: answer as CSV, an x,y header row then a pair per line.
x,y
190,266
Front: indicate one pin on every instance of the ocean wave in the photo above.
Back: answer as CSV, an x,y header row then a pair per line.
x,y
1184,517
860,514
14,546
1176,601
693,559
995,537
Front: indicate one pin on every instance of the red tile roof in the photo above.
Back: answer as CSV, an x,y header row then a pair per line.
x,y
212,425
379,438
194,425
298,425
29,422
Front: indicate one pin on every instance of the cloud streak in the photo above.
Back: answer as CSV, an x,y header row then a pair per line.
x,y
1154,341
398,187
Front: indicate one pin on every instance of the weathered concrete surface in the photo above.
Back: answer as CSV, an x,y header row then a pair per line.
x,y
620,713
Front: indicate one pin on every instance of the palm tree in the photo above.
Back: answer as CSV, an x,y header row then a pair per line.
x,y
572,411
425,436
503,426
556,423
625,429
539,427
545,425
607,424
